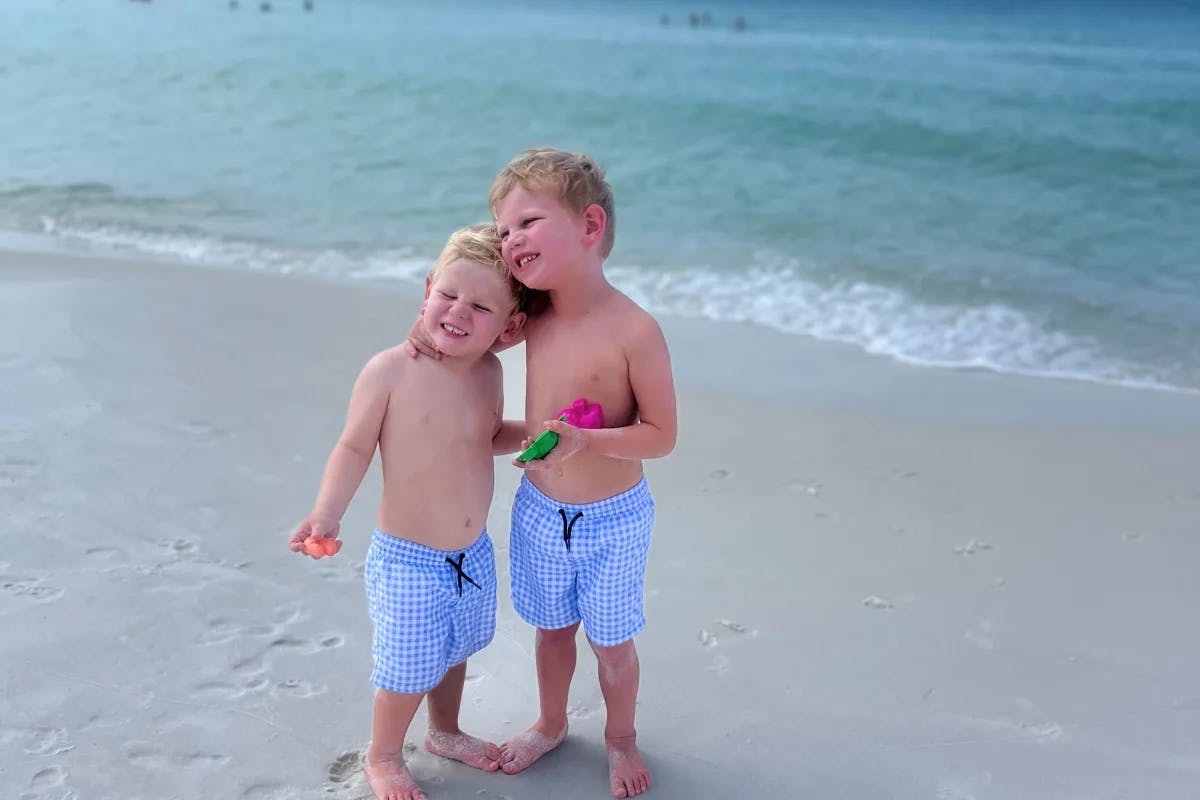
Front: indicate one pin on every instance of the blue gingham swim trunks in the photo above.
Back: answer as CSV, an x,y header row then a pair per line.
x,y
570,562
430,609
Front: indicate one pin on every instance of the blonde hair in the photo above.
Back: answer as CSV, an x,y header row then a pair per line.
x,y
574,178
480,244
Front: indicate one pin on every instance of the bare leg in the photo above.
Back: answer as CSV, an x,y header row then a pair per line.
x,y
555,655
619,675
386,773
445,738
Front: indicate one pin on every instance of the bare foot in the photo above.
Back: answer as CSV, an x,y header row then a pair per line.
x,y
520,752
390,781
465,748
627,773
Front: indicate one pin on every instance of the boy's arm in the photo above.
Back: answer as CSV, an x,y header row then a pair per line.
x,y
654,434
352,454
509,437
419,343
509,434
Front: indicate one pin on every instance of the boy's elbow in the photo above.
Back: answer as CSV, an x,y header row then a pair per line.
x,y
357,450
666,444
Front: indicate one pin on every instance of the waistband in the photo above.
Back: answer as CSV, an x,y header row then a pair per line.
x,y
634,498
407,551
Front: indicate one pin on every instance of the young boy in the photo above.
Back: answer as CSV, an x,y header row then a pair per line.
x,y
430,570
582,517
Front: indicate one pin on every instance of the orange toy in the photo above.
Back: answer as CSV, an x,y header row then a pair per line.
x,y
320,546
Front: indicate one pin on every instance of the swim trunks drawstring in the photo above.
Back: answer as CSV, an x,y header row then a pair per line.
x,y
567,526
461,575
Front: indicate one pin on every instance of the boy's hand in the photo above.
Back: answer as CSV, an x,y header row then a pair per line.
x,y
317,527
571,441
419,343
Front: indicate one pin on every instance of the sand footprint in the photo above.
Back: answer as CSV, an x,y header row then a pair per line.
x,y
737,627
267,791
200,429
300,688
30,587
17,471
346,766
981,635
218,631
48,778
107,553
714,476
580,711
48,742
152,757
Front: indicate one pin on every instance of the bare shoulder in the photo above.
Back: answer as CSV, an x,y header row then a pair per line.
x,y
490,367
389,363
636,322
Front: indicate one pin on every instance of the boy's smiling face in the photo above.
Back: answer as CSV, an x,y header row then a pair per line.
x,y
538,236
468,307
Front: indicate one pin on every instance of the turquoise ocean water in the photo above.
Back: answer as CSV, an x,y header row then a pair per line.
x,y
1001,185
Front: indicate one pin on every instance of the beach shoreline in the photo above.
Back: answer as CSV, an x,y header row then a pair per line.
x,y
868,579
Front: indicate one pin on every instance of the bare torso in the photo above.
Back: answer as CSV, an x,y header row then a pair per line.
x,y
436,449
582,357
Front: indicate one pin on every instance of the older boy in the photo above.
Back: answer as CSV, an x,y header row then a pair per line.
x,y
582,517
430,570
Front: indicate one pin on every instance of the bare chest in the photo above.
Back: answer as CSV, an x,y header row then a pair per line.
x,y
565,363
443,408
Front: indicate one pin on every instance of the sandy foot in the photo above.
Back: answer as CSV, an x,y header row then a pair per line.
x,y
520,752
465,748
627,773
390,781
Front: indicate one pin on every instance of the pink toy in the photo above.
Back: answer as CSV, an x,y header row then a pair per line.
x,y
583,414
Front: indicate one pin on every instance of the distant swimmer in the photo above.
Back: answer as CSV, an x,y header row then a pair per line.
x,y
664,20
308,5
265,7
739,24
233,3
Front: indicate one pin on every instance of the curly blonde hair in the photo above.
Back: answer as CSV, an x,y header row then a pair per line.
x,y
480,244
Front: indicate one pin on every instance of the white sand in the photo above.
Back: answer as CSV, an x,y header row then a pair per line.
x,y
868,580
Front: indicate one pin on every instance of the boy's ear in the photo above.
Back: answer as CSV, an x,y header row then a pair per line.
x,y
595,223
512,328
428,286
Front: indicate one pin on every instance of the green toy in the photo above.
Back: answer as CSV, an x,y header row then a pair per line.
x,y
542,445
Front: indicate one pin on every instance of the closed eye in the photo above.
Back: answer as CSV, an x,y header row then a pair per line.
x,y
447,295
482,308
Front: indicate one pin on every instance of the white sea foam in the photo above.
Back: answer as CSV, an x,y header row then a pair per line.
x,y
888,322
878,319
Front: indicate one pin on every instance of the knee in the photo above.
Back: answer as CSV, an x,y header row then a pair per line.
x,y
616,658
557,637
